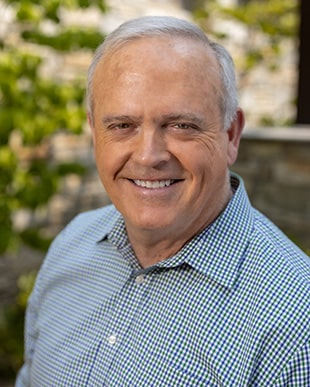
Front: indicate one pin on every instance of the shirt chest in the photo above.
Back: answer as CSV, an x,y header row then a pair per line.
x,y
157,328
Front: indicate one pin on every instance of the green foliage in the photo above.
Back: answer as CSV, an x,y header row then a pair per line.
x,y
33,107
71,39
275,18
36,10
270,20
267,25
11,329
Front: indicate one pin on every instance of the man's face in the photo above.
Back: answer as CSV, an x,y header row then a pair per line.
x,y
160,147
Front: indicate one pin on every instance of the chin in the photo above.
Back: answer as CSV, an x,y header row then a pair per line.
x,y
149,223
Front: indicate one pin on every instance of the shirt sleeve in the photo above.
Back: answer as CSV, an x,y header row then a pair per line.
x,y
297,371
32,313
23,377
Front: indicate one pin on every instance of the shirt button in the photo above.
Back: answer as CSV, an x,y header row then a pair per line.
x,y
140,279
112,339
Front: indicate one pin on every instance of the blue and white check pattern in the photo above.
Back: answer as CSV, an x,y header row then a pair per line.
x,y
230,309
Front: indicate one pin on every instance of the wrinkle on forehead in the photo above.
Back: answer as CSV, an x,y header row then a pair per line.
x,y
142,60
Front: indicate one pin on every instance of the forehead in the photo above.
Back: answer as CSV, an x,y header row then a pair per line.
x,y
159,73
159,53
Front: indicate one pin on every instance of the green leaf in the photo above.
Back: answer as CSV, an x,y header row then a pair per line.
x,y
32,237
67,40
68,168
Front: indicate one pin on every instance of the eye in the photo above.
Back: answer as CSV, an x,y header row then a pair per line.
x,y
121,126
183,126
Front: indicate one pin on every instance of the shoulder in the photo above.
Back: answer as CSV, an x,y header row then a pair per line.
x,y
278,273
282,268
102,216
95,224
275,248
81,235
275,288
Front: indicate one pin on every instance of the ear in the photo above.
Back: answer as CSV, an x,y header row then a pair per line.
x,y
234,135
91,125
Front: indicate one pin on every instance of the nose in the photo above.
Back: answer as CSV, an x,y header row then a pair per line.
x,y
150,147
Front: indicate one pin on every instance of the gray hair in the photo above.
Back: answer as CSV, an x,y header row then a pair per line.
x,y
163,26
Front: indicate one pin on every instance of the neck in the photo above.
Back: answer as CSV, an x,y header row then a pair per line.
x,y
150,251
152,246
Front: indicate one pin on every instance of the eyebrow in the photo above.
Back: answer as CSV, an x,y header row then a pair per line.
x,y
166,117
194,118
108,119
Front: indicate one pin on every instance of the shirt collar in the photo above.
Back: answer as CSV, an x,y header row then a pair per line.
x,y
216,252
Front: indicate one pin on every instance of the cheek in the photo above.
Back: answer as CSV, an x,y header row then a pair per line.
x,y
217,151
204,156
103,153
110,158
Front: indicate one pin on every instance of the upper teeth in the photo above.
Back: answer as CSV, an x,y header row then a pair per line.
x,y
153,184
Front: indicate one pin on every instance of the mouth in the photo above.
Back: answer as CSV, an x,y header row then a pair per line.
x,y
154,184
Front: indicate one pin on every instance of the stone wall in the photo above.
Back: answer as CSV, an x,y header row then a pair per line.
x,y
275,164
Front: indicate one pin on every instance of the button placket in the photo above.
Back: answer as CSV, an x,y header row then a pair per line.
x,y
127,311
112,339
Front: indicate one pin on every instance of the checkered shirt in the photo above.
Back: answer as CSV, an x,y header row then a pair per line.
x,y
229,309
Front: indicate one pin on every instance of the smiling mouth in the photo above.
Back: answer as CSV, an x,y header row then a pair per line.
x,y
153,184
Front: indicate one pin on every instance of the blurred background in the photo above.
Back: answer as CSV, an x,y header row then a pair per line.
x,y
47,170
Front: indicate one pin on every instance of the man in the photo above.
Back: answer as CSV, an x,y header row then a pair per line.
x,y
182,283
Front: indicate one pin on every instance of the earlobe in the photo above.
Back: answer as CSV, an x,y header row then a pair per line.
x,y
234,135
